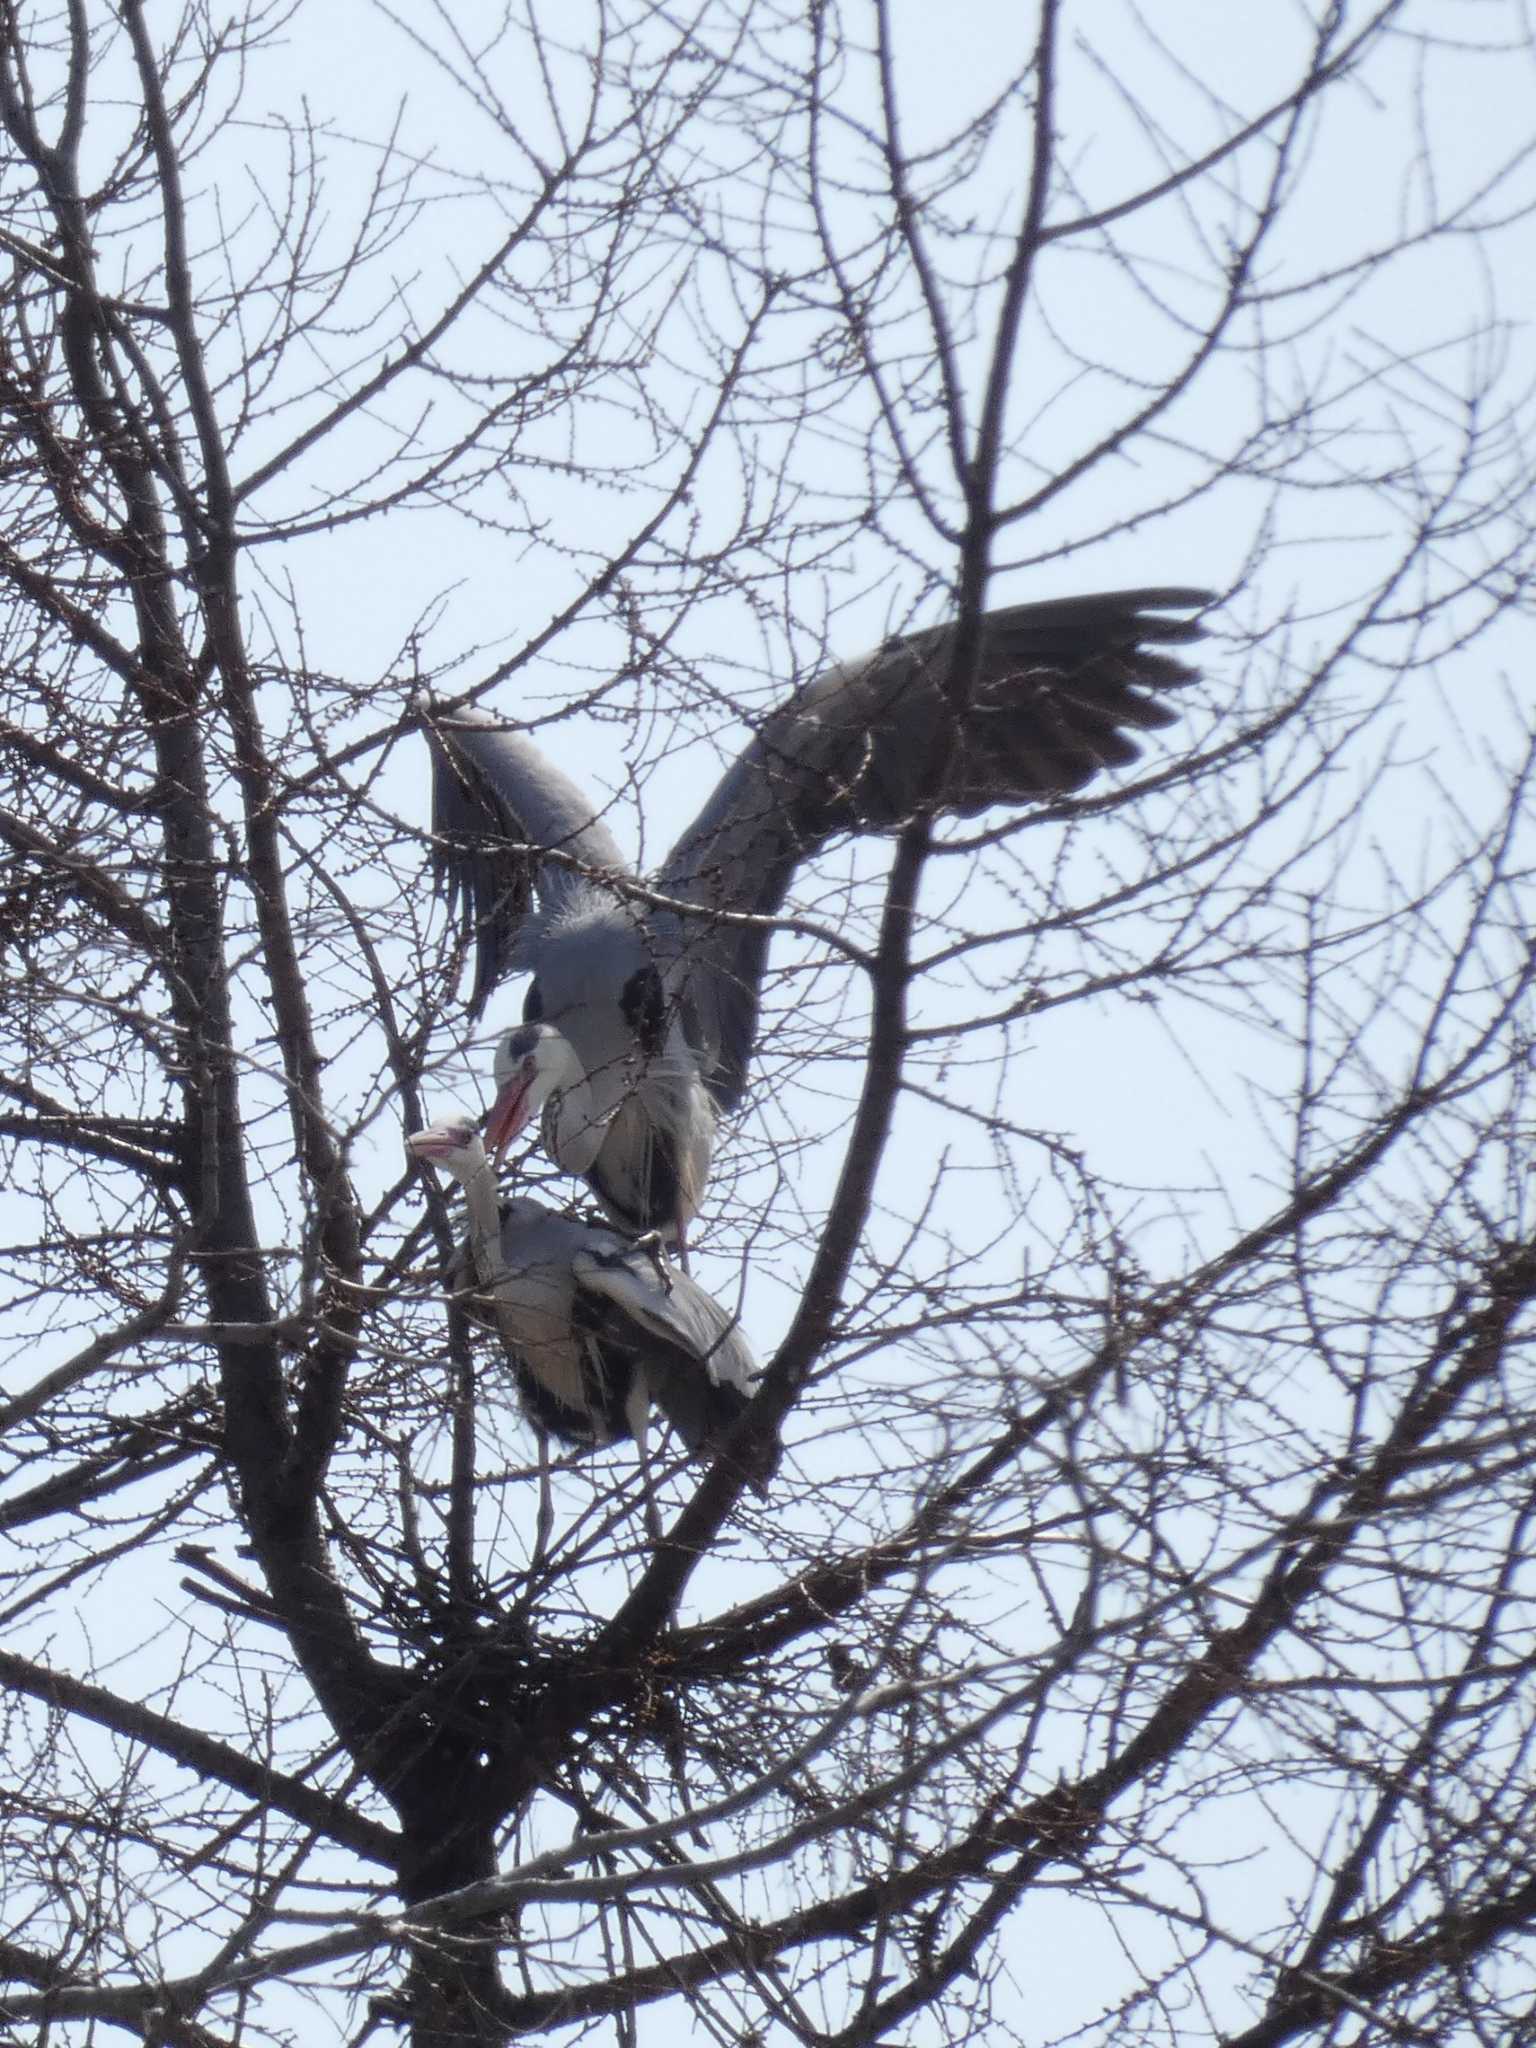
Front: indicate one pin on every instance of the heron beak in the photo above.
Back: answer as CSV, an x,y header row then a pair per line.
x,y
510,1111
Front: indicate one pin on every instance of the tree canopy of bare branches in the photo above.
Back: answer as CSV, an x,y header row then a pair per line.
x,y
1132,1204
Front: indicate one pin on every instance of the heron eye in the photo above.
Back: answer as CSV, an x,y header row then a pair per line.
x,y
533,1004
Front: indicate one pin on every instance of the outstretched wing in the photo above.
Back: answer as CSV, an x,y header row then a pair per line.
x,y
1059,689
498,807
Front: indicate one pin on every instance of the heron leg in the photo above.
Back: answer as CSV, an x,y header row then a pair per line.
x,y
544,1525
650,1242
652,1510
638,1414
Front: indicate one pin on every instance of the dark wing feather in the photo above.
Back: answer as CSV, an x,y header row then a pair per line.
x,y
497,805
697,1364
591,1428
1060,688
598,1417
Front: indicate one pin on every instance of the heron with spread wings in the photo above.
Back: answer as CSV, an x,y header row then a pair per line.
x,y
640,1016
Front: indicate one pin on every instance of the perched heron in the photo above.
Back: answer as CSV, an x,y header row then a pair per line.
x,y
640,1017
598,1328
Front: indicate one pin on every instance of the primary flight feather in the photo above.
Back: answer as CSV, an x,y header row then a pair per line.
x,y
639,1021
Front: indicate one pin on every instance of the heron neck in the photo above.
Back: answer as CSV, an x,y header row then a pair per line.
x,y
575,1124
484,1221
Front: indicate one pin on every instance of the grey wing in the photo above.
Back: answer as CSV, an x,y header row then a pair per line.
x,y
674,1309
699,1367
497,805
1060,687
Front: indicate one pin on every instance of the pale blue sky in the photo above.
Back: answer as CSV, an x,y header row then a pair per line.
x,y
1156,1096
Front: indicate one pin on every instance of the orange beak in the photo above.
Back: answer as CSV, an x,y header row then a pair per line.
x,y
510,1111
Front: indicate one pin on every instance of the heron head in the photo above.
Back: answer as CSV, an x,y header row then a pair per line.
x,y
532,1061
452,1143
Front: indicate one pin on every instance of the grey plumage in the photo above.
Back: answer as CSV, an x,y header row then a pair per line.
x,y
597,1328
658,1007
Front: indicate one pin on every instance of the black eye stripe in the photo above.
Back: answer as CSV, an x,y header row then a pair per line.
x,y
517,1045
644,1003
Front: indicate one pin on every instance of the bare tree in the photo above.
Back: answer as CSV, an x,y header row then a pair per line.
x,y
1134,1201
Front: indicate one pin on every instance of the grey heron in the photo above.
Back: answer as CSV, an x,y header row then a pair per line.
x,y
640,1016
598,1328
